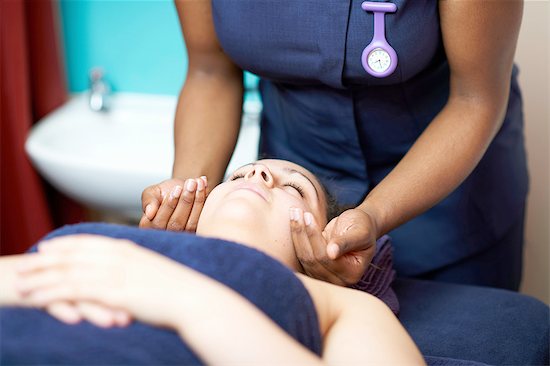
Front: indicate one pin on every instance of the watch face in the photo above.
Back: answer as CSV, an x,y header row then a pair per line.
x,y
379,60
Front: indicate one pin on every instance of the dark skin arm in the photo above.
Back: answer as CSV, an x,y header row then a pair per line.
x,y
442,157
480,40
211,99
206,125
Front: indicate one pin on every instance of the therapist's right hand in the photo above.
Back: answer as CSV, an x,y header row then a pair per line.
x,y
174,204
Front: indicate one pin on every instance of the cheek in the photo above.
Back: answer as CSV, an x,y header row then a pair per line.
x,y
297,202
319,217
212,201
282,212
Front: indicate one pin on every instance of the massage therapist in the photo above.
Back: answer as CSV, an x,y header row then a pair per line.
x,y
408,111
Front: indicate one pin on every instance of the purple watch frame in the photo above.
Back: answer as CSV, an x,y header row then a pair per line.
x,y
379,38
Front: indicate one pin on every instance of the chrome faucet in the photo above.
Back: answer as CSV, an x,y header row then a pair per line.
x,y
99,90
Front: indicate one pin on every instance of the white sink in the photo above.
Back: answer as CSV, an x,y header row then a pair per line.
x,y
104,160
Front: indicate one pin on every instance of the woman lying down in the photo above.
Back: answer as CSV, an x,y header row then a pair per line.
x,y
230,303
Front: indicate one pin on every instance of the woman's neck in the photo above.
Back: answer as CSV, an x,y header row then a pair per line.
x,y
253,237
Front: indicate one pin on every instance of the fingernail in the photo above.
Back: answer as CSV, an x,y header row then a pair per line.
x,y
191,185
308,218
200,185
332,250
176,192
148,211
293,214
205,180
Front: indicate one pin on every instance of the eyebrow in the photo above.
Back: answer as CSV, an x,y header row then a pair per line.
x,y
290,171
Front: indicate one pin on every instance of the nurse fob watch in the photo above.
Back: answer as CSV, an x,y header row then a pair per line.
x,y
379,58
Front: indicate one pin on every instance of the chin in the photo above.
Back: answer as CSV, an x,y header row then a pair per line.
x,y
241,211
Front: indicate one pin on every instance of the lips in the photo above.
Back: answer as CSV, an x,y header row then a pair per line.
x,y
254,188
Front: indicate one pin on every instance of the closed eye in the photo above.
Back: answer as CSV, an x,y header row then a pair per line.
x,y
236,176
296,187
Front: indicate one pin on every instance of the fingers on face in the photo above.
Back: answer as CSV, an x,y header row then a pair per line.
x,y
180,210
179,216
310,246
299,238
167,207
186,215
198,204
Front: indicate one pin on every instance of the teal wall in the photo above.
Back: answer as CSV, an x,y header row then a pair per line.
x,y
138,44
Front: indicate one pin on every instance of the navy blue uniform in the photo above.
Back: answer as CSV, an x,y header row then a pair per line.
x,y
324,111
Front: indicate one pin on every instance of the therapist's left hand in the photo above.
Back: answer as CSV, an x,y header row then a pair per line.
x,y
341,252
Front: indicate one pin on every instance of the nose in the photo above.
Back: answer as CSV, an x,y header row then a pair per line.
x,y
260,172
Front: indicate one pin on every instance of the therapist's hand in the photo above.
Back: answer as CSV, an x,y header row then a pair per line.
x,y
174,204
341,252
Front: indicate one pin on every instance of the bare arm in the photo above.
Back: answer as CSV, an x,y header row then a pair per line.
x,y
359,329
220,325
480,40
209,107
206,125
238,331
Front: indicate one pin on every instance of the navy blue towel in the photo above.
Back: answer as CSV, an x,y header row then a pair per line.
x,y
30,336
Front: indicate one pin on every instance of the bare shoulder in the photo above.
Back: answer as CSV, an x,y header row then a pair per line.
x,y
331,301
358,328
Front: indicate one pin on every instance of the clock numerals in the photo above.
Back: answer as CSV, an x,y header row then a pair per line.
x,y
379,60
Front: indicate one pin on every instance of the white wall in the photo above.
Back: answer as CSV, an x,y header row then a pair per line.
x,y
532,57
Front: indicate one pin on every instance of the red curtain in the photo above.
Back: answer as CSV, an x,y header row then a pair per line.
x,y
32,84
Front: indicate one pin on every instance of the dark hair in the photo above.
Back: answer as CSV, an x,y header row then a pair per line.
x,y
333,207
